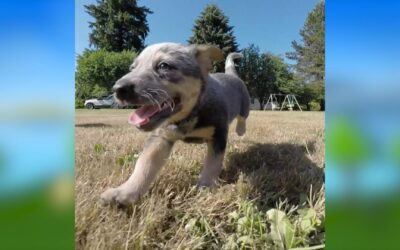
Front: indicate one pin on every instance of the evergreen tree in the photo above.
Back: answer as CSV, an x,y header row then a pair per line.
x,y
118,25
212,27
310,54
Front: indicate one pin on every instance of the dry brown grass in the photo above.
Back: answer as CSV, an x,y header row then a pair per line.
x,y
279,163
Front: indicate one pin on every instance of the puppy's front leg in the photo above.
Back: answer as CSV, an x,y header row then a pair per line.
x,y
213,160
156,151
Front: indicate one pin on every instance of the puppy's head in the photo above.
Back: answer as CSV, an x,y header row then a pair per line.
x,y
166,81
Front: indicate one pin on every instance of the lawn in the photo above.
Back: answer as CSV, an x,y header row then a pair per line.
x,y
270,194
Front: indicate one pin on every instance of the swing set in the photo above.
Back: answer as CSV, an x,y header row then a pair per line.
x,y
289,102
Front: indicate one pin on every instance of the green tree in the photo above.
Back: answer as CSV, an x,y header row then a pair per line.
x,y
250,71
118,25
270,76
285,81
310,54
263,73
212,27
97,71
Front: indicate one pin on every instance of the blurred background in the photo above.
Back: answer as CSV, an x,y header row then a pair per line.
x,y
362,124
36,124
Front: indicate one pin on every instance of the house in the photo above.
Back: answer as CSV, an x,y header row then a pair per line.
x,y
254,104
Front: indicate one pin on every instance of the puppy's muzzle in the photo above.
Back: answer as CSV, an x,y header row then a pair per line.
x,y
153,108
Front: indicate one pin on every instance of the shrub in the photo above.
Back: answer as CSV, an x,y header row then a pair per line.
x,y
97,71
99,91
314,106
79,103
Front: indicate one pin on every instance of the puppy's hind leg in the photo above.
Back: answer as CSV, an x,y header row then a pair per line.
x,y
240,125
155,152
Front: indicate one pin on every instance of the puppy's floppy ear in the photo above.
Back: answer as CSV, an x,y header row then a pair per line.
x,y
210,51
206,55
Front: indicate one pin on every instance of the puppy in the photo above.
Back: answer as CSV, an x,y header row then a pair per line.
x,y
179,100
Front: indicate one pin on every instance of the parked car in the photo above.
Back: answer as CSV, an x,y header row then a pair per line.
x,y
107,101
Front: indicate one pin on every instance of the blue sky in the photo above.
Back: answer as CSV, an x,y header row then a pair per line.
x,y
272,24
36,47
362,56
362,41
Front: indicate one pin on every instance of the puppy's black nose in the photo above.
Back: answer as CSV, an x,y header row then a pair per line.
x,y
121,83
124,91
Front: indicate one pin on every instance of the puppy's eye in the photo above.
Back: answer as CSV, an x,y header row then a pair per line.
x,y
164,66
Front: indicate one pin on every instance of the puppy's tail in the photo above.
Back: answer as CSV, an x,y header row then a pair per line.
x,y
230,64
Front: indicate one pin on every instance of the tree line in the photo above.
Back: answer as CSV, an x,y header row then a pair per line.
x,y
120,27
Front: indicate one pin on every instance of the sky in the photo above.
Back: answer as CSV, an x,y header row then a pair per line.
x,y
36,47
272,24
362,42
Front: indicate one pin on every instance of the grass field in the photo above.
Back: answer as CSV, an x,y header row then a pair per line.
x,y
270,196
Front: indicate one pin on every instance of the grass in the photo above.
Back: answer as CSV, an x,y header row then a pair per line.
x,y
271,192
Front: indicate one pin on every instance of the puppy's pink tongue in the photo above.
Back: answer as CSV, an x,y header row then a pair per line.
x,y
142,115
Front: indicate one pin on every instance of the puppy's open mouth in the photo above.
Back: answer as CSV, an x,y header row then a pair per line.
x,y
149,115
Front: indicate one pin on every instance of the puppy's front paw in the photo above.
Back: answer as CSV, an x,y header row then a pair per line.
x,y
206,183
108,197
118,196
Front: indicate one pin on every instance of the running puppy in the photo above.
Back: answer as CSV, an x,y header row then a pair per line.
x,y
179,100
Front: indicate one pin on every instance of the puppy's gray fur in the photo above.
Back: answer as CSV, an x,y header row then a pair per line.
x,y
207,104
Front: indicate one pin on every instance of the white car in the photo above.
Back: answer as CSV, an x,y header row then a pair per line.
x,y
102,102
